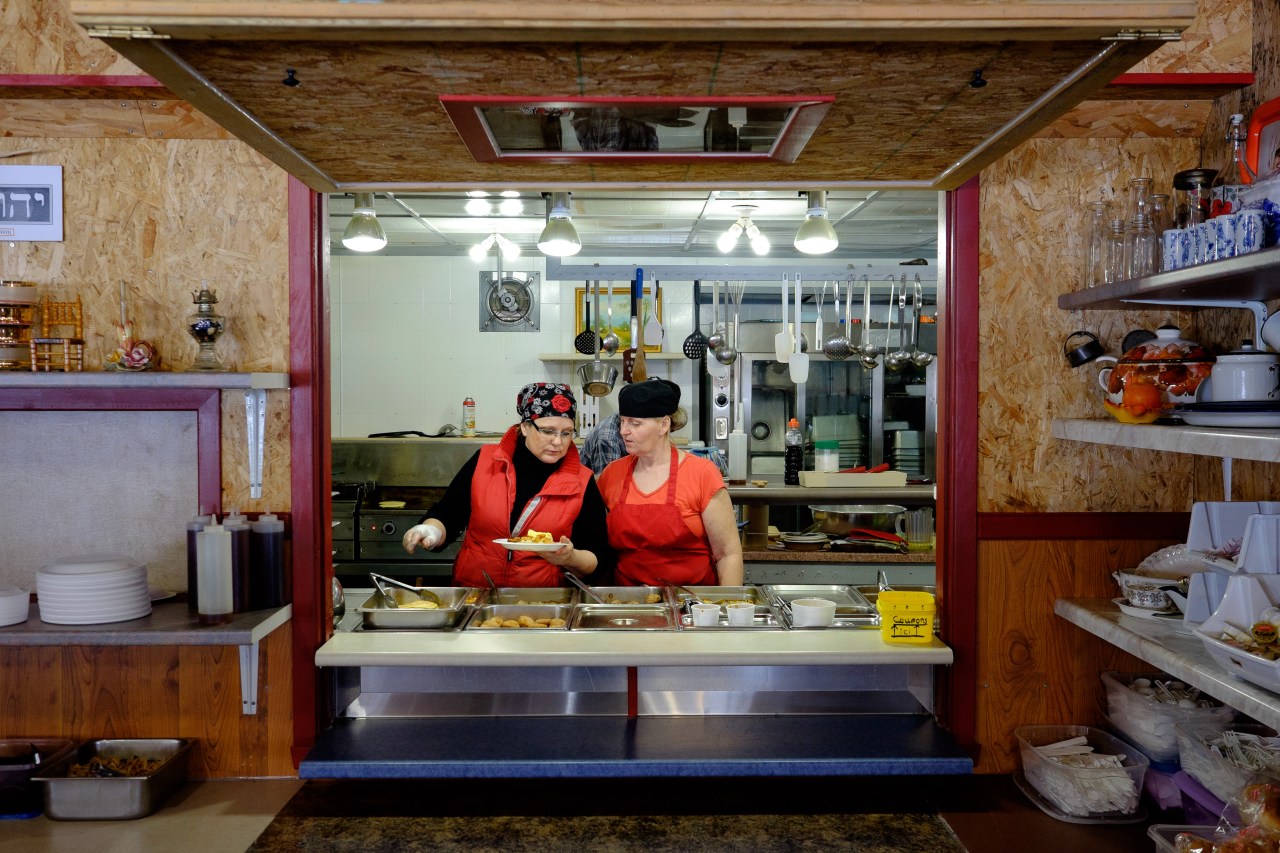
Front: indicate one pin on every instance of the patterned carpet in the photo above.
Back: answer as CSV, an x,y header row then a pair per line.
x,y
609,816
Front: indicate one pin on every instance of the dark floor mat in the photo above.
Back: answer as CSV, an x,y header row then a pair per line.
x,y
873,833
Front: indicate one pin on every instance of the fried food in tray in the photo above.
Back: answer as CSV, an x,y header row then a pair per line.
x,y
631,595
514,617
415,613
534,595
534,536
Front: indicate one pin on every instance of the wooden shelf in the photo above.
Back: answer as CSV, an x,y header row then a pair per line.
x,y
105,379
1247,278
1173,87
1260,445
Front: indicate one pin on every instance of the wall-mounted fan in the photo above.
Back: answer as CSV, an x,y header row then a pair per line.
x,y
509,302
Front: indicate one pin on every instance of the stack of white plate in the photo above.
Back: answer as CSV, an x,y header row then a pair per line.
x,y
92,590
14,604
907,454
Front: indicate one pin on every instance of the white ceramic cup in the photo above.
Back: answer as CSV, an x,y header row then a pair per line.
x,y
705,615
1271,332
741,613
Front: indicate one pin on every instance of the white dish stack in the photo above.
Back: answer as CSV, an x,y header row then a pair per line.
x,y
92,590
14,605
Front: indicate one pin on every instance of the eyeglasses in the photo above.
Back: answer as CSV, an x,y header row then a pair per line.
x,y
548,432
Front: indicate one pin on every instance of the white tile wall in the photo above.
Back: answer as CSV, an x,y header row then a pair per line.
x,y
407,349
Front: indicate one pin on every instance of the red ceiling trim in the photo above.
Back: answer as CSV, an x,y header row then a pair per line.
x,y
82,86
467,114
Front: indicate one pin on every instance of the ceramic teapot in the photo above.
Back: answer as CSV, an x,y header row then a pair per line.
x,y
1153,377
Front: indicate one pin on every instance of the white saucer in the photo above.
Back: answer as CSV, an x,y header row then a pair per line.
x,y
1145,613
529,546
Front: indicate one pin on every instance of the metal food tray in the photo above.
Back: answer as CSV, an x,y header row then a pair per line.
x,y
624,596
623,617
723,594
114,797
515,611
852,608
533,595
766,618
374,612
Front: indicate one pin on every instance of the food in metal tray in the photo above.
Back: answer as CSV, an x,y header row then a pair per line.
x,y
522,622
650,598
132,766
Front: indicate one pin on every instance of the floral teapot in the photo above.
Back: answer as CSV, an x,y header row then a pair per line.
x,y
1153,377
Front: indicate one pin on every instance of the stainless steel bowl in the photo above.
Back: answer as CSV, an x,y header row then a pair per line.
x,y
840,519
598,378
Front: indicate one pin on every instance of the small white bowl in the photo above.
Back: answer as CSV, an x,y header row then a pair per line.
x,y
812,612
15,605
741,613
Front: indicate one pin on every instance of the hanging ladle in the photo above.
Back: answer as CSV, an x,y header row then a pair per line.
x,y
837,347
899,358
727,353
869,350
609,342
918,356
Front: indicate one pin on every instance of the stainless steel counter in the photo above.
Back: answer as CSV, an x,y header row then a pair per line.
x,y
775,493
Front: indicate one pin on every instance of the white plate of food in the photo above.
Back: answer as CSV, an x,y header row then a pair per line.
x,y
521,543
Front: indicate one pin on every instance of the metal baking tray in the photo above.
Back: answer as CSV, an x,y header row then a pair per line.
x,y
114,797
615,596
513,612
533,595
374,612
623,617
765,618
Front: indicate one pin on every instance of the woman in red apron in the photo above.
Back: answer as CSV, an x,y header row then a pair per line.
x,y
670,516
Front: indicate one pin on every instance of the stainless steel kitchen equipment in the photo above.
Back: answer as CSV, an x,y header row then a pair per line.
x,y
384,486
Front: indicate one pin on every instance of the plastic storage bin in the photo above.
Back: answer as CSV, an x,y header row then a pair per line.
x,y
1151,724
1221,777
1083,792
906,617
1245,599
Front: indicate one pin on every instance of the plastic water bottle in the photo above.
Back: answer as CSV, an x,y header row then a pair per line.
x,y
794,457
468,417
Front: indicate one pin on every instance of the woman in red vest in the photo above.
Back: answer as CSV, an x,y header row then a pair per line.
x,y
531,480
670,517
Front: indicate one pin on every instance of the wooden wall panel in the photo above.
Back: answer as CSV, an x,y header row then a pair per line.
x,y
85,692
1031,245
39,37
1034,667
1131,119
72,118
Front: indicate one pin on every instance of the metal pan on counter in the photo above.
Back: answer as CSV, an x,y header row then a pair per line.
x,y
526,617
533,595
765,615
623,617
852,608
627,595
411,614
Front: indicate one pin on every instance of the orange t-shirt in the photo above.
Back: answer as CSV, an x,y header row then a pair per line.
x,y
697,483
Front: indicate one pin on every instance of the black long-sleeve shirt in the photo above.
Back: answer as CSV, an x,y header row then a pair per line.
x,y
589,532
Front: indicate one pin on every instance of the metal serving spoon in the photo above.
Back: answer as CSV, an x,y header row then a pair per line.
x,y
577,581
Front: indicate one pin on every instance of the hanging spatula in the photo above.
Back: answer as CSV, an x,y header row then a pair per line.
x,y
782,341
799,363
653,332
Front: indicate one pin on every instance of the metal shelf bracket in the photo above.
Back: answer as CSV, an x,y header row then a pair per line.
x,y
1259,309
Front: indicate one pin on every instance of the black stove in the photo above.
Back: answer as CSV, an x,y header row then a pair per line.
x,y
371,523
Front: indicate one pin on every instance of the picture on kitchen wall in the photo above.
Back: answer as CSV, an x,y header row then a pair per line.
x,y
31,203
618,298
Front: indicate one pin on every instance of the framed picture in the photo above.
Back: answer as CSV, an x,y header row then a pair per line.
x,y
617,297
1262,149
31,203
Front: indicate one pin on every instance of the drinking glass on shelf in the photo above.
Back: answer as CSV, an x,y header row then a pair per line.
x,y
1160,212
1095,254
1114,264
1139,189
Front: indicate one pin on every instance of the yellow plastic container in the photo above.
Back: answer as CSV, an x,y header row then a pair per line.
x,y
906,617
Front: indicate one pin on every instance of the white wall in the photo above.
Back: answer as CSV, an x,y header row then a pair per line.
x,y
407,349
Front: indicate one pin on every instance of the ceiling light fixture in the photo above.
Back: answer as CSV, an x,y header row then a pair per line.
x,y
364,232
559,238
743,225
511,207
510,251
816,236
477,207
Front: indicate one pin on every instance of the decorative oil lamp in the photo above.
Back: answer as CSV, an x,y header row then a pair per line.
x,y
206,326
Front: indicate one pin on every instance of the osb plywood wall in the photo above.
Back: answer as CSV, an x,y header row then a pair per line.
x,y
1218,42
39,37
1032,217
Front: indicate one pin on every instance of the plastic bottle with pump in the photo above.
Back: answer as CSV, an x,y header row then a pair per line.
x,y
793,460
468,417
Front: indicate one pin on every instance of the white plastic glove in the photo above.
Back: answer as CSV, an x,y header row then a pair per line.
x,y
426,535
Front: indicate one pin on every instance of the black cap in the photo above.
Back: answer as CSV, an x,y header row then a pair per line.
x,y
652,398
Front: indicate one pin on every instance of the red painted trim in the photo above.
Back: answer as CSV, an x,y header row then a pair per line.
x,y
1236,80
958,461
466,113
204,402
42,86
1083,525
633,693
308,454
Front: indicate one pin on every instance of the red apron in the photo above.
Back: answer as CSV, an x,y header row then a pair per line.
x,y
653,540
